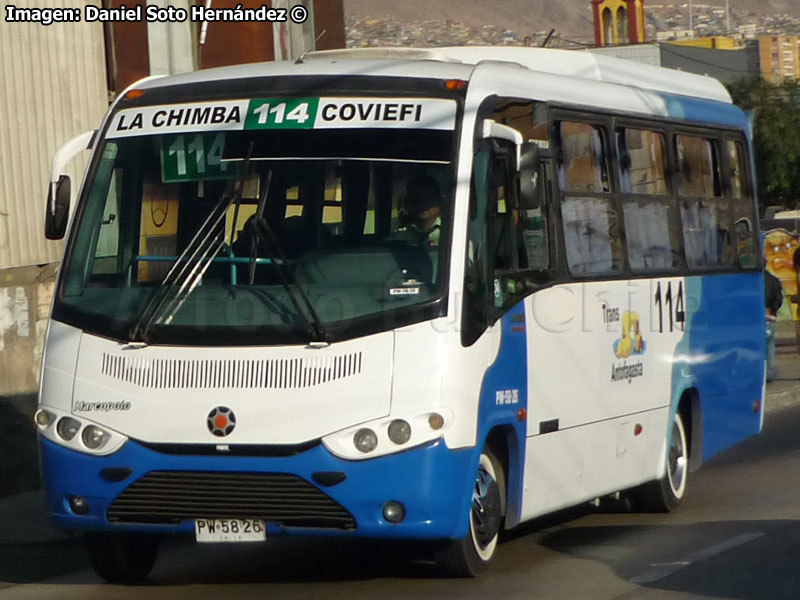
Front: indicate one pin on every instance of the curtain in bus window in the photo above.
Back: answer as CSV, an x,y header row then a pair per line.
x,y
591,232
584,165
698,165
705,233
648,236
641,162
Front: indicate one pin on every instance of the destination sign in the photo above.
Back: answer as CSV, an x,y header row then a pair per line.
x,y
286,113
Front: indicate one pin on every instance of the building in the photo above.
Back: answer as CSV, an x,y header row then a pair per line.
x,y
166,48
725,65
618,22
716,42
779,58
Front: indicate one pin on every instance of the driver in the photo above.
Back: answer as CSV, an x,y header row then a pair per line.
x,y
421,218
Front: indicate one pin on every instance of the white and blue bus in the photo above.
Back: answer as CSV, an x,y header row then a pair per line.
x,y
400,294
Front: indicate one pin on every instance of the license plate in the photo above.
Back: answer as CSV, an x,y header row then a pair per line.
x,y
229,530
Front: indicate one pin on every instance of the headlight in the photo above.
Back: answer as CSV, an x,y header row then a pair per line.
x,y
44,418
399,431
77,433
94,438
390,434
67,428
365,440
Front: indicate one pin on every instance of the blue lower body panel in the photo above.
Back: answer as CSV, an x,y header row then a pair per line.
x,y
432,482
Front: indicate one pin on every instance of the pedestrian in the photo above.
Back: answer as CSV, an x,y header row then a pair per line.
x,y
773,299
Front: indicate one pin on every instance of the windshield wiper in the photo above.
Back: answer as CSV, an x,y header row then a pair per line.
x,y
191,264
260,230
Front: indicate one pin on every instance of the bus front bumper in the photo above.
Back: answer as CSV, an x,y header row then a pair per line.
x,y
433,484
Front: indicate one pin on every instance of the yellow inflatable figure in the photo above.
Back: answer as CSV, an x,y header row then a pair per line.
x,y
779,249
631,341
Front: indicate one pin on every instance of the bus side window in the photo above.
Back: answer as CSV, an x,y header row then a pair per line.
x,y
584,160
589,214
652,231
705,213
743,214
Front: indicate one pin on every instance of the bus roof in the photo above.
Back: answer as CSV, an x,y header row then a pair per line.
x,y
463,63
568,63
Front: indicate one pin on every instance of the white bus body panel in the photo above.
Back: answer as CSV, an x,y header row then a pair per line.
x,y
280,395
596,390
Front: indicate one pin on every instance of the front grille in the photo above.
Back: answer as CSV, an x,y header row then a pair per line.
x,y
169,497
275,374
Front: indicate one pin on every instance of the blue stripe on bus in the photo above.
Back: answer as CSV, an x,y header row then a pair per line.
x,y
722,355
507,375
705,111
433,482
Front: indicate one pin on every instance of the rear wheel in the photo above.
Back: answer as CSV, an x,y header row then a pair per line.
x,y
470,555
665,494
122,557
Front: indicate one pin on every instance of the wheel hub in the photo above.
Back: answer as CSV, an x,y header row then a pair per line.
x,y
486,509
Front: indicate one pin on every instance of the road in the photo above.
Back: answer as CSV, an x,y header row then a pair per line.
x,y
736,536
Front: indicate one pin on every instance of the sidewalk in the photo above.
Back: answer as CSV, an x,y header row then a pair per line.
x,y
784,390
23,517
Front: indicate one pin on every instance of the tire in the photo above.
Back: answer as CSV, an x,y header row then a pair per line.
x,y
122,557
665,494
471,555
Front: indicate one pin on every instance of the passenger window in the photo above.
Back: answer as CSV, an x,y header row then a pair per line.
x,y
743,214
641,162
698,167
705,215
592,236
652,235
583,165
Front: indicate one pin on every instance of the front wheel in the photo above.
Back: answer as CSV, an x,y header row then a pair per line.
x,y
665,494
122,557
470,555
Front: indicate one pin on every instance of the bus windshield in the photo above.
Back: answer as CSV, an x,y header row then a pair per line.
x,y
259,236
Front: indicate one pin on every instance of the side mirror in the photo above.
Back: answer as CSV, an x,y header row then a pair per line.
x,y
55,221
529,175
57,213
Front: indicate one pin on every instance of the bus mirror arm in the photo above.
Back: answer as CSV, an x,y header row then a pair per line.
x,y
493,129
60,187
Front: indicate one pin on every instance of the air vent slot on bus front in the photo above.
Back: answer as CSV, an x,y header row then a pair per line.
x,y
174,496
290,373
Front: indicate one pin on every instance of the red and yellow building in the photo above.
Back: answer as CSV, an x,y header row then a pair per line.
x,y
618,22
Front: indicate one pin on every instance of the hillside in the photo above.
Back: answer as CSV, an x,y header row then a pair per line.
x,y
571,18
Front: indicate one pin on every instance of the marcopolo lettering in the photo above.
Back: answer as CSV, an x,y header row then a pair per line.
x,y
372,111
120,405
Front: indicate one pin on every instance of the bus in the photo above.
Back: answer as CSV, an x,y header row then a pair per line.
x,y
412,294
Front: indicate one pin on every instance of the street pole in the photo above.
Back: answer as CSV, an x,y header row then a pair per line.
x,y
728,17
691,21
